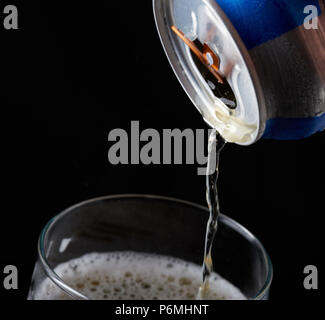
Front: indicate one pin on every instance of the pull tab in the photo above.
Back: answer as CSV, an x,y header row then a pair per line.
x,y
207,57
208,64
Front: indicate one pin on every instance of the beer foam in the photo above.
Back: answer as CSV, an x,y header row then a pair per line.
x,y
134,276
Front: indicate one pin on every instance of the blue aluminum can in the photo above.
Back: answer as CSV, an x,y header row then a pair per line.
x,y
272,56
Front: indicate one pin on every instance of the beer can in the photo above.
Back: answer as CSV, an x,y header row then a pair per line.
x,y
271,55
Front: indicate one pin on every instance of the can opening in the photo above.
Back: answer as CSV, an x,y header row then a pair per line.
x,y
222,91
208,63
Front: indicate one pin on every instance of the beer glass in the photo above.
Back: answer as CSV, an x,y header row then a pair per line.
x,y
152,225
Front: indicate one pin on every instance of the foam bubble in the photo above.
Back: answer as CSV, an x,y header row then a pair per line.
x,y
134,276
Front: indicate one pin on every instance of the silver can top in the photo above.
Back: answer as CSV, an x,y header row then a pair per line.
x,y
234,105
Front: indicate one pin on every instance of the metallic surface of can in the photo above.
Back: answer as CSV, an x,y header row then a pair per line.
x,y
272,55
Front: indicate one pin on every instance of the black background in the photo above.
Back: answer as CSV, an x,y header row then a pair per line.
x,y
73,72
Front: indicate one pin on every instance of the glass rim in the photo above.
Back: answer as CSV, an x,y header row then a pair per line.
x,y
79,296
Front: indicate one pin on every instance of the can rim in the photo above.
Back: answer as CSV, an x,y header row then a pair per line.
x,y
162,18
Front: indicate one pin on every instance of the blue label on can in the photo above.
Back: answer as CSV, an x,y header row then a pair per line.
x,y
293,129
258,21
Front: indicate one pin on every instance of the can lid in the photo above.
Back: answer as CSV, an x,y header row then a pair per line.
x,y
235,106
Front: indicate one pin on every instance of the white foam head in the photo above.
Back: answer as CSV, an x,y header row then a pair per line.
x,y
130,275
